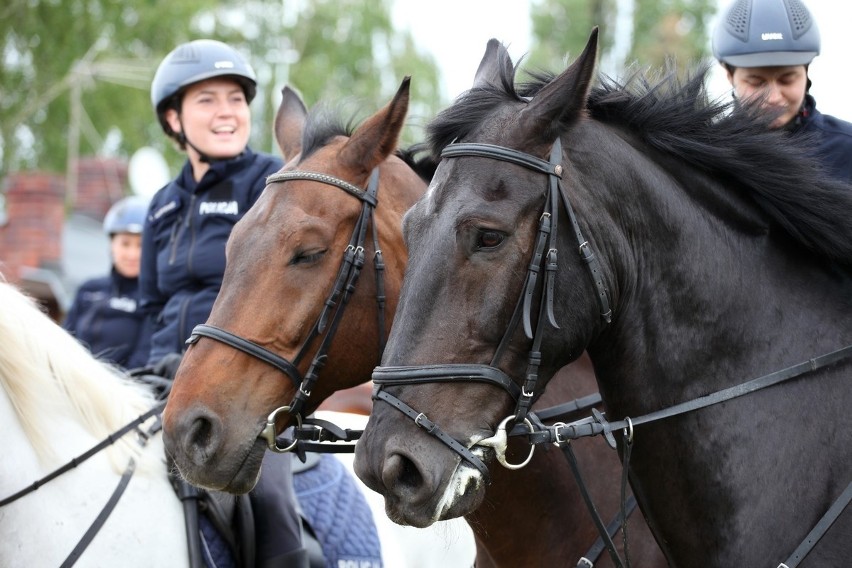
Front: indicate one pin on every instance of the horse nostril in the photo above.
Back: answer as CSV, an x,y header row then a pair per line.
x,y
201,440
401,473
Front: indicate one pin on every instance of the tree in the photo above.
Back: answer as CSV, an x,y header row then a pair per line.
x,y
647,32
85,66
330,50
101,50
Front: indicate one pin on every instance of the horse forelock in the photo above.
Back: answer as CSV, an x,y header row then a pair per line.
x,y
324,123
48,376
475,106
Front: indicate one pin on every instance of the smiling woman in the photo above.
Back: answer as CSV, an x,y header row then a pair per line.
x,y
201,94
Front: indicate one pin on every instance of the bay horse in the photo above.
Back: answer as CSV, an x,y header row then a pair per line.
x,y
57,402
681,243
283,258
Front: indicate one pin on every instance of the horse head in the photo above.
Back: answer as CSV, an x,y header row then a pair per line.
x,y
292,273
470,240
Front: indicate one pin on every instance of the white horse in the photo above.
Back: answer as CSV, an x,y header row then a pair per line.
x,y
57,401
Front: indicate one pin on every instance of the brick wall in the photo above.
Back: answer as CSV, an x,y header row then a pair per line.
x,y
35,211
100,183
31,238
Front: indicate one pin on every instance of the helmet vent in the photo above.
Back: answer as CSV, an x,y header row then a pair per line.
x,y
738,20
800,18
186,53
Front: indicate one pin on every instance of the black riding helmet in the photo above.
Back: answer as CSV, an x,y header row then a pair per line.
x,y
190,63
766,33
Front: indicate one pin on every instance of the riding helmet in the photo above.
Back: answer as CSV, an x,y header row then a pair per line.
x,y
126,216
196,61
766,33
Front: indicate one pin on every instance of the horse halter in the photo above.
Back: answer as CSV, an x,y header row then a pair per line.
x,y
544,258
332,311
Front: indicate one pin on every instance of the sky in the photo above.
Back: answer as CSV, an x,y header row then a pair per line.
x,y
456,32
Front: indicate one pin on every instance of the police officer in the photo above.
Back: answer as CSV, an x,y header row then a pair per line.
x,y
105,314
201,93
765,47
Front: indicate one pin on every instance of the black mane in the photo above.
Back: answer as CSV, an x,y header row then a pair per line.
x,y
723,140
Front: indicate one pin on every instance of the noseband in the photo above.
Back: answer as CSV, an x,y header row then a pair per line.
x,y
332,311
544,259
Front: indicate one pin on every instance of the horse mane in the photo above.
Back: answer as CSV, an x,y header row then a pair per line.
x,y
674,115
48,375
420,159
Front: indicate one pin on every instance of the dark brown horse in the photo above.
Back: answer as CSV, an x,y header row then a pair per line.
x,y
691,251
283,259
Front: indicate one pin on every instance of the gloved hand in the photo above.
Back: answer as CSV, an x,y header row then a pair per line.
x,y
167,366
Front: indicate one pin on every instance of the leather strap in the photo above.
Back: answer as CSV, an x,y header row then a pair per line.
x,y
352,190
593,511
109,440
399,375
820,529
246,346
421,420
99,521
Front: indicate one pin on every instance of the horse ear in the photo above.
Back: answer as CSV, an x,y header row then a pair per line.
x,y
377,137
290,122
563,100
496,58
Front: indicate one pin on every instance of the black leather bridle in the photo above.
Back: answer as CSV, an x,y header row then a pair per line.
x,y
544,259
330,316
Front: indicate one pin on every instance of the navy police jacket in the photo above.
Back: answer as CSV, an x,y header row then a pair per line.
x,y
833,139
183,244
106,318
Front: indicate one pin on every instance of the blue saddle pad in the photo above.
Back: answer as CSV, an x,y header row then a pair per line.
x,y
339,514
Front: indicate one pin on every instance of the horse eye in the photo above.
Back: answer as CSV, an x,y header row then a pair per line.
x,y
307,258
489,239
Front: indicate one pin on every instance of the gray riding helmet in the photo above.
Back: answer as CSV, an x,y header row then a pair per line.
x,y
196,61
127,215
766,33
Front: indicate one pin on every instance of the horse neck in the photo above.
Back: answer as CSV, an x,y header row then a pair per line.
x,y
694,264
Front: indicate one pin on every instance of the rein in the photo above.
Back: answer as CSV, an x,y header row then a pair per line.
x,y
123,482
324,328
109,440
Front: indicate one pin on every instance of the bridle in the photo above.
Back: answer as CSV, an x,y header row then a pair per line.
x,y
327,322
544,259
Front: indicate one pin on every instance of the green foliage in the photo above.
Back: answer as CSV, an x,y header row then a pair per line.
x,y
103,53
675,29
561,28
659,31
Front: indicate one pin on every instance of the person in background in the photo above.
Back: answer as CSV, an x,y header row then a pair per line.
x,y
201,93
766,47
105,315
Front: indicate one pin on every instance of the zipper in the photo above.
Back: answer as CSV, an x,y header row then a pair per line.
x,y
191,230
182,333
173,240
